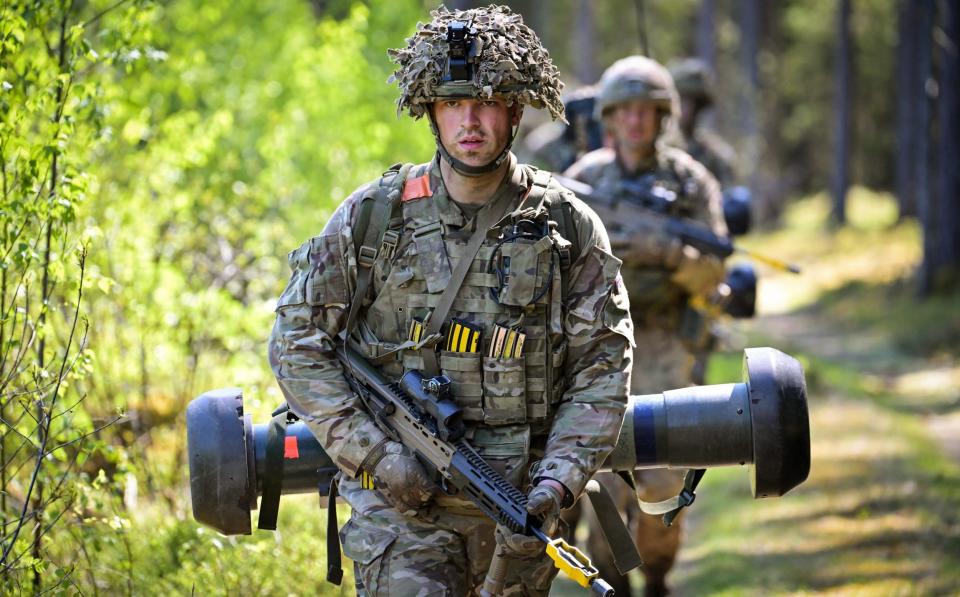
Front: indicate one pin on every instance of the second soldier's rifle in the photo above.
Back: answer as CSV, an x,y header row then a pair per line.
x,y
420,414
656,201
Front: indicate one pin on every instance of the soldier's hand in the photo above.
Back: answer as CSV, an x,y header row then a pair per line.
x,y
401,479
543,502
698,273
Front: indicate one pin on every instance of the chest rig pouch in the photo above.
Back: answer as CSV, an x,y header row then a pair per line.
x,y
432,252
524,261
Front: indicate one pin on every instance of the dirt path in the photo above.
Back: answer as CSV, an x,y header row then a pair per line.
x,y
927,388
879,513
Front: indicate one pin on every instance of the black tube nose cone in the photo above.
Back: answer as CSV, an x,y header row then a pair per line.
x,y
781,422
219,475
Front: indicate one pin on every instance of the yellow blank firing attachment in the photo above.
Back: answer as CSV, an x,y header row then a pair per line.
x,y
572,562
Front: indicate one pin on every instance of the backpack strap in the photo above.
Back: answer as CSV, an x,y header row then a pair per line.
x,y
378,205
560,212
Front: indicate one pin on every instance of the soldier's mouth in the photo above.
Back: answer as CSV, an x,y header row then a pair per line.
x,y
470,142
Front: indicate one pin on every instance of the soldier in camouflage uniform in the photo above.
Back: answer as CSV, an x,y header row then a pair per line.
x,y
546,418
694,83
637,103
555,146
695,86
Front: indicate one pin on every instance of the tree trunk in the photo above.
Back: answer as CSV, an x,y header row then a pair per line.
x,y
585,31
925,206
706,33
748,122
842,108
942,262
908,130
643,32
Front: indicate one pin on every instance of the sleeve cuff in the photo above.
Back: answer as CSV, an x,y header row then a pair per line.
x,y
570,477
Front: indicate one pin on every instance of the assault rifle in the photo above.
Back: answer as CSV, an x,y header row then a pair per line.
x,y
656,201
420,414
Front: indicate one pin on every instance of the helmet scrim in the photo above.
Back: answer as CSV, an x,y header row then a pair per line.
x,y
476,53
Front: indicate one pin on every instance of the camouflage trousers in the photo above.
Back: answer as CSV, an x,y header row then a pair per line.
x,y
660,362
444,550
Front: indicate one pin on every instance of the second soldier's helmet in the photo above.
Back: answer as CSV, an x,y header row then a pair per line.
x,y
693,79
637,78
476,53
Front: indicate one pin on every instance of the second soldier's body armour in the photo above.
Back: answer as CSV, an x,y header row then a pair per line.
x,y
654,299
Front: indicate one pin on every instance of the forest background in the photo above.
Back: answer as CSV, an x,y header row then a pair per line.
x,y
159,160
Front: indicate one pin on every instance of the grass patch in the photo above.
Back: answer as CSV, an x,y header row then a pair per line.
x,y
878,515
880,512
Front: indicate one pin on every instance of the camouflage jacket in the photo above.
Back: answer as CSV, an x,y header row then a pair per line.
x,y
562,400
655,299
713,152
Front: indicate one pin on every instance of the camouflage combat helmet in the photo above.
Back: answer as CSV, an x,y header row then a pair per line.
x,y
477,53
693,79
637,78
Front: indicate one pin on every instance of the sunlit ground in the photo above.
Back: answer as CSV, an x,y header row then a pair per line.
x,y
880,511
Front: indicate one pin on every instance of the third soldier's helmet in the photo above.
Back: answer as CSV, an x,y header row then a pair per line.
x,y
478,54
637,78
693,79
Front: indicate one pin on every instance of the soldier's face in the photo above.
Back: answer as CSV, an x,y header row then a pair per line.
x,y
475,131
634,125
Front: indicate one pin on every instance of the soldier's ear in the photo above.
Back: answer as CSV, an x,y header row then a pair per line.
x,y
516,112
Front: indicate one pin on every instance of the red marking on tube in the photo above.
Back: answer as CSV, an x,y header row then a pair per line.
x,y
290,449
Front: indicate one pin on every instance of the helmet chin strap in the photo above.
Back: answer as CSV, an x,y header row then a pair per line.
x,y
464,168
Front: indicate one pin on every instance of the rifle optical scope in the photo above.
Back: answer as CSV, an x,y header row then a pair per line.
x,y
761,422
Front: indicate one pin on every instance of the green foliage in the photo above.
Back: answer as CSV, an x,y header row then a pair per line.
x,y
51,122
186,147
801,77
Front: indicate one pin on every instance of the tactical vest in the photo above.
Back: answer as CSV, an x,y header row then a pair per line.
x,y
413,267
654,300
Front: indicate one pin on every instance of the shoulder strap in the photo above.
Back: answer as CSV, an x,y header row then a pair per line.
x,y
538,186
377,205
561,212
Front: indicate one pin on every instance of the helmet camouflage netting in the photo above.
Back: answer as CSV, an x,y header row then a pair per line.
x,y
511,62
